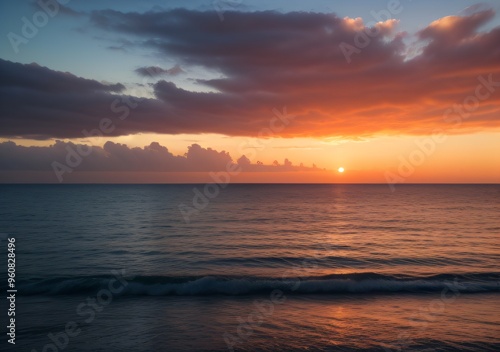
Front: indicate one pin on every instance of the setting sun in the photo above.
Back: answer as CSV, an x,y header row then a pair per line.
x,y
340,169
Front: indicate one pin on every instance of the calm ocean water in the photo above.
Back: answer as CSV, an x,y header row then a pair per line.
x,y
259,268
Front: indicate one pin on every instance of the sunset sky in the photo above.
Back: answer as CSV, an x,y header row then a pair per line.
x,y
390,91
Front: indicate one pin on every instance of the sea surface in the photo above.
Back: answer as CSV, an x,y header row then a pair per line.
x,y
253,267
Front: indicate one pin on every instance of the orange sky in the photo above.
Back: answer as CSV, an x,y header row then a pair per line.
x,y
466,158
324,91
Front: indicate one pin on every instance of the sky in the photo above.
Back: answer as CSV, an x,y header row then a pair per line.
x,y
392,92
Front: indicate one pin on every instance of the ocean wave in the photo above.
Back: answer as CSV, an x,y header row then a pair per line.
x,y
223,285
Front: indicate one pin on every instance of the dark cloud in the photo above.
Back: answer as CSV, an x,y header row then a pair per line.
x,y
37,102
115,157
269,60
295,59
155,71
35,77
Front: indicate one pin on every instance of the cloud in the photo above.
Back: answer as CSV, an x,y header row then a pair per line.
x,y
269,60
155,71
116,157
37,102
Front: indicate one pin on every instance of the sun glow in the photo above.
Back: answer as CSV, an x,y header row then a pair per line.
x,y
340,169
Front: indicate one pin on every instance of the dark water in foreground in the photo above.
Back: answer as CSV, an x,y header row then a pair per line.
x,y
257,268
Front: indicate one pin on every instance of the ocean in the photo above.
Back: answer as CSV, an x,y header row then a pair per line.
x,y
253,267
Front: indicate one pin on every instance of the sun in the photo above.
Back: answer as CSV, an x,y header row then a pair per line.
x,y
341,169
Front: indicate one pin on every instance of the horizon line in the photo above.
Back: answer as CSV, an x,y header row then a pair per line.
x,y
247,183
